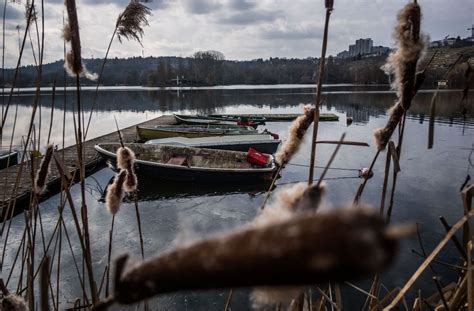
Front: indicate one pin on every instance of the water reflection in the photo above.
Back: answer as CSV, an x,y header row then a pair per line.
x,y
133,106
152,190
428,183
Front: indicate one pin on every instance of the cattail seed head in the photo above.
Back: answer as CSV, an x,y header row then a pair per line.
x,y
296,133
125,158
131,181
43,171
115,192
402,64
12,302
126,161
73,63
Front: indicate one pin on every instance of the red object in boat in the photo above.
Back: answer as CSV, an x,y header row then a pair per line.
x,y
275,136
257,158
246,123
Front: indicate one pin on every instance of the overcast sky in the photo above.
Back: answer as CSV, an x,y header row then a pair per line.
x,y
241,29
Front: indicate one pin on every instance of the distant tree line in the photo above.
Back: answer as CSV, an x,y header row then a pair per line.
x,y
207,68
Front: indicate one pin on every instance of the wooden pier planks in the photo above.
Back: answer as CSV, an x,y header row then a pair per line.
x,y
20,198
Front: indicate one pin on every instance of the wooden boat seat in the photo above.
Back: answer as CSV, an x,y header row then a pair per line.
x,y
178,160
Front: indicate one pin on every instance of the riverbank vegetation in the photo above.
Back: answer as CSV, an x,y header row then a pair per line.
x,y
210,68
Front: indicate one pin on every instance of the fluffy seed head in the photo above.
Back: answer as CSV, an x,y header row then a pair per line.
x,y
13,302
131,21
115,192
296,133
43,171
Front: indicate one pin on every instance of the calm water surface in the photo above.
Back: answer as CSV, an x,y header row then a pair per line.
x,y
428,184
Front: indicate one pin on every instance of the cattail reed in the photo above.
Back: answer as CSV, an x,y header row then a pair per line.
x,y
43,171
73,63
131,21
290,200
296,133
126,161
12,302
115,192
298,249
402,63
287,203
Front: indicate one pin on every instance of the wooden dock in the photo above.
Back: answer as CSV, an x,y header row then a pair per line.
x,y
17,200
282,117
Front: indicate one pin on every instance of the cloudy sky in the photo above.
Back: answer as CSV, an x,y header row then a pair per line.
x,y
241,29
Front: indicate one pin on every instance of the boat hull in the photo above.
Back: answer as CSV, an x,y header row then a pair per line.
x,y
146,133
196,120
262,143
162,171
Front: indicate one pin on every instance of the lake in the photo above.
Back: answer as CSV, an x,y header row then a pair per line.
x,y
428,184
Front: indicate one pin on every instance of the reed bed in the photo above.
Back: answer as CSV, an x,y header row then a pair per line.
x,y
284,254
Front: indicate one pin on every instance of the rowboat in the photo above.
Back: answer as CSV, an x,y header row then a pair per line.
x,y
191,131
204,120
8,158
192,164
262,143
236,117
281,117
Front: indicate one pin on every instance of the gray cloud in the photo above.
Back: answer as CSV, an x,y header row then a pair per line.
x,y
201,6
153,4
14,12
241,29
242,5
250,18
292,33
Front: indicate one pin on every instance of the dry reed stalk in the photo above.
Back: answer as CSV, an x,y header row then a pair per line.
x,y
454,239
10,208
431,125
74,65
43,171
440,292
297,248
402,63
470,278
129,25
15,75
53,94
3,65
466,196
45,276
115,192
428,260
83,236
329,7
109,256
346,143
